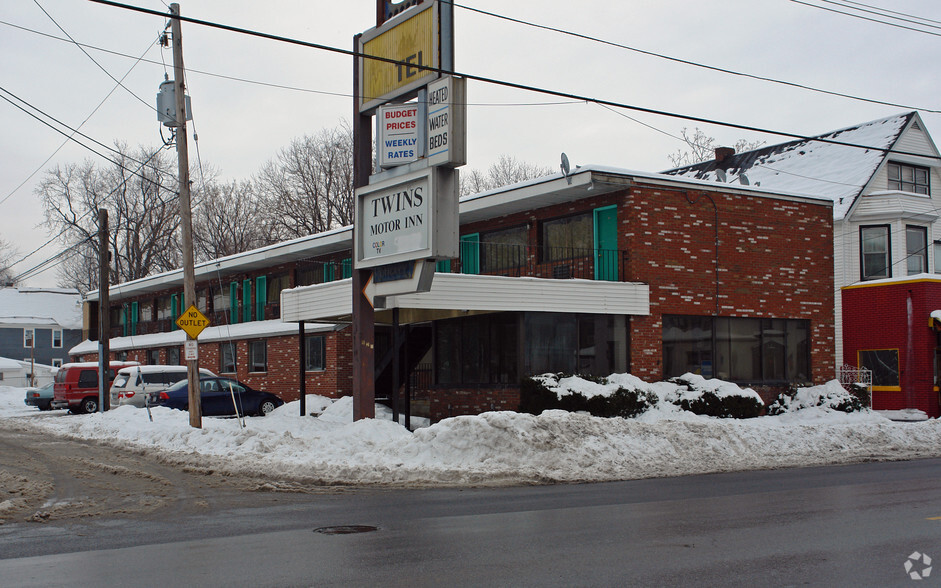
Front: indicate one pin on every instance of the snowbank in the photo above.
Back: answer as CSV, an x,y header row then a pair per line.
x,y
491,448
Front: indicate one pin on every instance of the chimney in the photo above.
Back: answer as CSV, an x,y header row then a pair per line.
x,y
723,153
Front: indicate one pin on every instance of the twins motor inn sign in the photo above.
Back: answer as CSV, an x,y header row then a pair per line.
x,y
406,218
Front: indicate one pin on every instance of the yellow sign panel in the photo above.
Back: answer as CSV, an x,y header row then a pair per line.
x,y
192,322
412,42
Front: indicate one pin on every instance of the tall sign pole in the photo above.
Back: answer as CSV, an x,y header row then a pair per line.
x,y
364,330
186,215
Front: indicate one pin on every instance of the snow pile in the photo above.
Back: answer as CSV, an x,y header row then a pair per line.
x,y
491,448
830,396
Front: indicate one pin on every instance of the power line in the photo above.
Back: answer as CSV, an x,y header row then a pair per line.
x,y
87,118
892,11
891,24
101,67
496,82
686,61
878,12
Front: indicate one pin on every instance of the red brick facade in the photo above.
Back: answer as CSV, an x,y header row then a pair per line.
x,y
721,252
894,315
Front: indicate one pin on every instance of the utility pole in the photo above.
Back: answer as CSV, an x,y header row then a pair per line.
x,y
104,312
186,216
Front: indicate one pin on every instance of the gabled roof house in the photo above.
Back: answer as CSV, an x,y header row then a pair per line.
x,y
883,178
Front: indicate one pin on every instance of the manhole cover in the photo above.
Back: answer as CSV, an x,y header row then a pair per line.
x,y
346,529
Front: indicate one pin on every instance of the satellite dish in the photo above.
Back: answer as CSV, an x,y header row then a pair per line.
x,y
743,180
566,167
720,176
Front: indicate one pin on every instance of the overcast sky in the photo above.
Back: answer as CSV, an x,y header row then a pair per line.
x,y
243,123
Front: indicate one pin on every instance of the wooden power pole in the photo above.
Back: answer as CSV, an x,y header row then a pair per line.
x,y
186,216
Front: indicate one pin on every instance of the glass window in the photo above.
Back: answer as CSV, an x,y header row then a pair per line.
x,y
874,248
147,310
202,300
314,353
491,339
258,356
567,238
220,299
56,338
884,364
28,337
550,343
153,356
690,345
163,308
276,283
908,178
747,350
173,356
504,249
916,250
227,358
56,363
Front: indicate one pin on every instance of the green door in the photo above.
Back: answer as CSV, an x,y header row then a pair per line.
x,y
470,254
606,243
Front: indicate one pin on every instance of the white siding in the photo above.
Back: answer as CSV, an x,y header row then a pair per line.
x,y
450,292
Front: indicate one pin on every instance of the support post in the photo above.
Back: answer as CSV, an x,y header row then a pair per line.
x,y
186,213
364,330
104,311
302,362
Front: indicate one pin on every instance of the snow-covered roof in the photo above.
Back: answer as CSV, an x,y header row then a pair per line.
x,y
812,166
271,328
41,307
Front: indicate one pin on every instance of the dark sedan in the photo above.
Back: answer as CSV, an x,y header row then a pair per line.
x,y
220,397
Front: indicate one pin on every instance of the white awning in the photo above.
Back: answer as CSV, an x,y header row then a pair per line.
x,y
461,294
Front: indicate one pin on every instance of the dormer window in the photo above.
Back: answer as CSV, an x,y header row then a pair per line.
x,y
908,178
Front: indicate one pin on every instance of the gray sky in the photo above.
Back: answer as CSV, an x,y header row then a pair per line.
x,y
241,125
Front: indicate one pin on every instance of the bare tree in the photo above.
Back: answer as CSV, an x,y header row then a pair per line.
x,y
228,221
702,148
308,189
7,255
505,171
140,194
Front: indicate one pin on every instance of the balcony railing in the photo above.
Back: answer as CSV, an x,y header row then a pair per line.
x,y
558,263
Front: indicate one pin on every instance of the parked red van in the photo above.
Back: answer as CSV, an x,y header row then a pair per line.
x,y
76,385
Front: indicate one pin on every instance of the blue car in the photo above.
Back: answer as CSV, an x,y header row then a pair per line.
x,y
40,397
217,398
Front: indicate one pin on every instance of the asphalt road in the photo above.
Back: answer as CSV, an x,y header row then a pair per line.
x,y
838,526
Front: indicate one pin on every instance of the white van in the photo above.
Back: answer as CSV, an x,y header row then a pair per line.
x,y
132,385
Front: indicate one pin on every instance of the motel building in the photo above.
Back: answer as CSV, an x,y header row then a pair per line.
x,y
603,271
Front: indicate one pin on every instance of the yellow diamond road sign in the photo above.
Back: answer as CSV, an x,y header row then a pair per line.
x,y
192,322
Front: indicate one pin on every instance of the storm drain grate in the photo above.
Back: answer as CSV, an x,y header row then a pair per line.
x,y
346,529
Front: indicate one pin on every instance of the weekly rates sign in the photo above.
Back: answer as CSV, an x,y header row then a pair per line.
x,y
398,134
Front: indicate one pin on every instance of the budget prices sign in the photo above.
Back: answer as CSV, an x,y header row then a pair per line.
x,y
414,216
398,134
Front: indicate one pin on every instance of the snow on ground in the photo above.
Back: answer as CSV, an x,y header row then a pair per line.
x,y
495,447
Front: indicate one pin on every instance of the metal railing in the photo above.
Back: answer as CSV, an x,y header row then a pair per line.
x,y
850,376
541,262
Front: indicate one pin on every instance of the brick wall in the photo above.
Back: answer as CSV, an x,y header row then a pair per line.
x,y
282,376
878,317
472,400
771,259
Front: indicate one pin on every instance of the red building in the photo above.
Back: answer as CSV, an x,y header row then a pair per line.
x,y
888,328
605,271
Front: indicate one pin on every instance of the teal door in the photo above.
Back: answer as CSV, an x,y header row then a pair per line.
x,y
470,253
606,243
